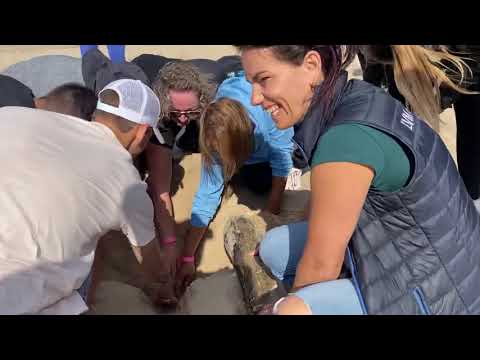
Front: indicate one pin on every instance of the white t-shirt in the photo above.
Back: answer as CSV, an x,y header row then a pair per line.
x,y
64,183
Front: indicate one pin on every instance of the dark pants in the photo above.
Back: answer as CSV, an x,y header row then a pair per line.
x,y
98,71
467,113
152,64
257,177
380,75
373,73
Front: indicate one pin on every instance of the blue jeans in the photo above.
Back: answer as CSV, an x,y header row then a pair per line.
x,y
281,250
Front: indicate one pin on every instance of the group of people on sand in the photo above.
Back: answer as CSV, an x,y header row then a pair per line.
x,y
390,228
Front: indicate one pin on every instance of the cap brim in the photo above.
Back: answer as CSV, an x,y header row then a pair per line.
x,y
158,135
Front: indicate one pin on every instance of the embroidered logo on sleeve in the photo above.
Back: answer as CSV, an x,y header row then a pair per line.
x,y
407,119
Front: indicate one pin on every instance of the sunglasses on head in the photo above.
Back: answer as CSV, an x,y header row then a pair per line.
x,y
189,114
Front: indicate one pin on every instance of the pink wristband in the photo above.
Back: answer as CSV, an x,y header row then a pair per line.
x,y
188,259
169,240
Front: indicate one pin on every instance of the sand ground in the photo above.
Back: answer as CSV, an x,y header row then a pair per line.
x,y
216,291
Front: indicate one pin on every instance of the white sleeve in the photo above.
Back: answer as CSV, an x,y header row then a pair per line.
x,y
137,215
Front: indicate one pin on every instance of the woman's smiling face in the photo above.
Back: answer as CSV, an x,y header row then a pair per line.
x,y
282,88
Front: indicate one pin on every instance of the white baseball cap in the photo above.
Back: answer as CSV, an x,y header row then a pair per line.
x,y
137,103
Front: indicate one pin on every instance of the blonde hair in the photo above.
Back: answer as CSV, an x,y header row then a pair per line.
x,y
419,72
182,76
226,135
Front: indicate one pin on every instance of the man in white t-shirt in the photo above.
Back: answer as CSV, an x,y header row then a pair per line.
x,y
64,184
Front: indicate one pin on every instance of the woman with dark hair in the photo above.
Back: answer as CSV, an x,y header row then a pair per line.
x,y
388,206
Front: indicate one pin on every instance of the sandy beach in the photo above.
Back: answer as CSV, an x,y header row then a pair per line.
x,y
216,291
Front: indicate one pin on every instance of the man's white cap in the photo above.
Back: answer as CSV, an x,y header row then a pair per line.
x,y
137,103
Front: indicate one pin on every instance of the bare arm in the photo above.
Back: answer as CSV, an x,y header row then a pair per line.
x,y
205,204
192,240
136,222
187,270
339,191
159,162
276,194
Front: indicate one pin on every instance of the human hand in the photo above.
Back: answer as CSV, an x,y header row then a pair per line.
x,y
185,275
161,293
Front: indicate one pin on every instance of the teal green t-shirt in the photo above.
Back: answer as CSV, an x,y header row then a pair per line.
x,y
368,146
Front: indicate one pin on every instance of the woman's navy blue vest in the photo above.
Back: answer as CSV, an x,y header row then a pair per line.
x,y
416,250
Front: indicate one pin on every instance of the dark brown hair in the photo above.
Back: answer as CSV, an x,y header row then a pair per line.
x,y
419,70
72,99
335,58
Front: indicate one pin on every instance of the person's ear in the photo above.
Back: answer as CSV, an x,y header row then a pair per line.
x,y
144,133
312,63
140,139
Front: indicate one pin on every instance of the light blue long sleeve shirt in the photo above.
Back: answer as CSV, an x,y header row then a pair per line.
x,y
270,145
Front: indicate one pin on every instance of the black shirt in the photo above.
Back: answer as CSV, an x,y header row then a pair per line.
x,y
219,69
169,129
15,93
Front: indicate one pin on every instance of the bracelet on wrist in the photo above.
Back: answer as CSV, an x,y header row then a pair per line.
x,y
188,259
169,240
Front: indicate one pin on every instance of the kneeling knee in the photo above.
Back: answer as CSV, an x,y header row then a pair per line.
x,y
268,249
293,305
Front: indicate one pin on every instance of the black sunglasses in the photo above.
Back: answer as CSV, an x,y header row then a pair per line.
x,y
189,114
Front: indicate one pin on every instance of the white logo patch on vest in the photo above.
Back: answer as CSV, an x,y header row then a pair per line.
x,y
407,119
